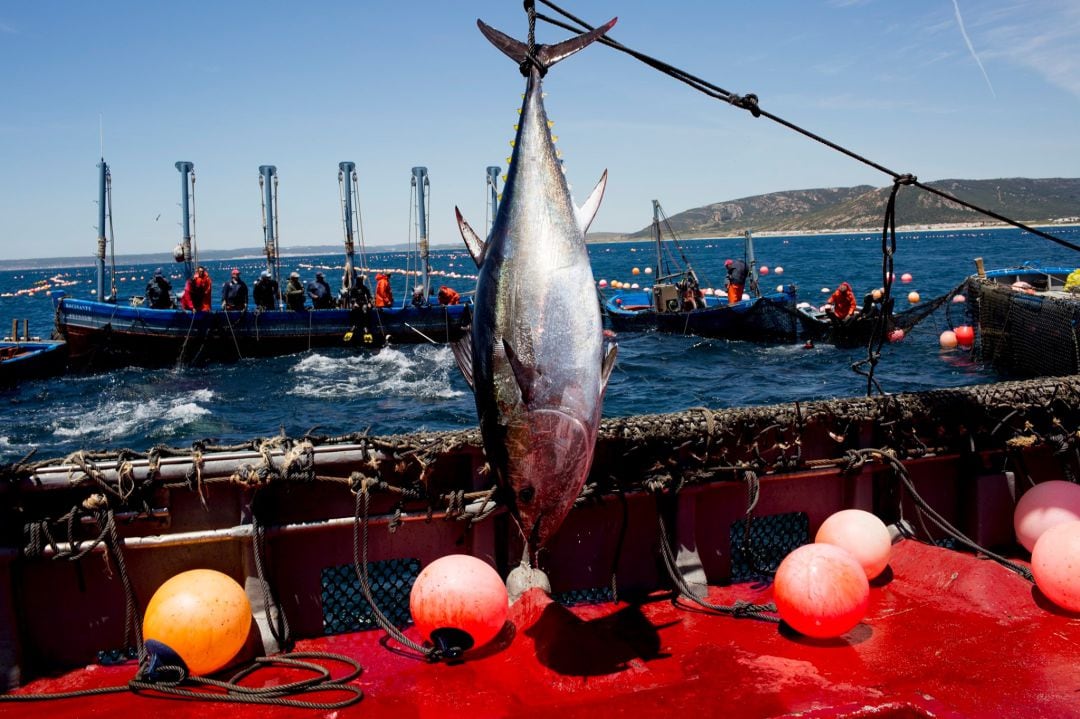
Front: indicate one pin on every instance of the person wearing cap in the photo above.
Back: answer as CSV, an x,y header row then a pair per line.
x,y
234,293
319,292
265,292
294,293
736,279
159,292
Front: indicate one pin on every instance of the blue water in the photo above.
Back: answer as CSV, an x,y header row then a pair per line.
x,y
410,388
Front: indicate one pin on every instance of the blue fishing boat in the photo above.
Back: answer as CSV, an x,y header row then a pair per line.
x,y
111,331
30,359
676,304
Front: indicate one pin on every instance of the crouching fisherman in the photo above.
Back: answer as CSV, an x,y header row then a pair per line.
x,y
159,292
234,293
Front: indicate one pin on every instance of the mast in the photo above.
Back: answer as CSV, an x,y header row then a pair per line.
x,y
103,171
185,169
493,186
420,182
266,174
751,263
656,237
346,179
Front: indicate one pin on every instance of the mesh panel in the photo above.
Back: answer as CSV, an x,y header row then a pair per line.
x,y
772,538
346,610
1027,335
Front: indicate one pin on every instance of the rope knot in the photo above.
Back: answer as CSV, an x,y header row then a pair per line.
x,y
95,502
906,179
747,102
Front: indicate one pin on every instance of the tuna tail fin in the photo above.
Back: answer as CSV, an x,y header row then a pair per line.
x,y
473,242
546,55
587,212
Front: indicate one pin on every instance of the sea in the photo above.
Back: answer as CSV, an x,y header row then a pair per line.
x,y
410,388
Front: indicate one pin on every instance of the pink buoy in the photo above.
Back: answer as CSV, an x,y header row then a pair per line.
x,y
947,340
965,336
821,591
602,283
1045,505
764,270
458,602
778,270
906,277
959,299
1054,562
862,534
896,335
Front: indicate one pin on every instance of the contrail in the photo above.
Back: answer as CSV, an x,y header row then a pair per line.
x,y
971,48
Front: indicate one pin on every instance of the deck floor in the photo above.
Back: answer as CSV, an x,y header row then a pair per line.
x,y
946,635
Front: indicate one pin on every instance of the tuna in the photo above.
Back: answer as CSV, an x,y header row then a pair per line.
x,y
537,358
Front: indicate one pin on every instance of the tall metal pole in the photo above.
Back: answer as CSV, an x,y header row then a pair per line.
x,y
346,171
493,186
656,236
103,170
186,169
420,179
266,174
751,261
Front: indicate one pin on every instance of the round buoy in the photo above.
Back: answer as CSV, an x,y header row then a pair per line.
x,y
947,340
862,534
959,299
821,591
825,290
779,288
778,270
965,336
1053,562
618,301
763,270
906,277
202,615
648,270
635,286
458,602
602,283
745,296
913,297
635,271
896,335
1045,505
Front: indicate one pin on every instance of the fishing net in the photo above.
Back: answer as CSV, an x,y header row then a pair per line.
x,y
1027,335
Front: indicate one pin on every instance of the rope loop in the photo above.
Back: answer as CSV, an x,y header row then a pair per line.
x,y
905,179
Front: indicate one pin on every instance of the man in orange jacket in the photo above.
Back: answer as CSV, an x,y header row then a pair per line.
x,y
384,296
841,303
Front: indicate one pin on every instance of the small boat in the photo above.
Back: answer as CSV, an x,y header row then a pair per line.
x,y
30,359
1028,324
112,331
675,303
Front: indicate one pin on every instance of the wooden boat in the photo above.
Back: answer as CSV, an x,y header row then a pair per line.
x,y
1028,324
30,359
769,317
698,504
119,331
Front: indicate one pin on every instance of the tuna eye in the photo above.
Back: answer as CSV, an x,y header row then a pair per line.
x,y
526,494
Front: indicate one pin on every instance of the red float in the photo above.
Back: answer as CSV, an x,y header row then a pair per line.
x,y
821,591
458,602
965,336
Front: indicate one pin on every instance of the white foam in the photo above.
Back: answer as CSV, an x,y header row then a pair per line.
x,y
111,419
421,372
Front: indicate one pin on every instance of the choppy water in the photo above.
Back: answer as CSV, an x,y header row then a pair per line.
x,y
407,388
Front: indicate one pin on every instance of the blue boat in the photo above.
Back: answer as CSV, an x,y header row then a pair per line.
x,y
674,304
22,360
117,331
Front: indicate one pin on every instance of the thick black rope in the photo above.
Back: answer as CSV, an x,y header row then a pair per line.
x,y
751,104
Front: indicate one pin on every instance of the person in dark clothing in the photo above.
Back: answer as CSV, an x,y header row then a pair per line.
x,y
234,293
294,293
871,304
737,272
357,296
159,292
319,292
265,292
418,299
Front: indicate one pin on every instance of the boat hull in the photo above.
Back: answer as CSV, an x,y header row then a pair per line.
x,y
30,360
100,334
771,317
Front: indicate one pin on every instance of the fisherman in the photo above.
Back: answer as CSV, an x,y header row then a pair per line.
x,y
319,292
265,292
418,299
197,291
736,279
294,293
871,305
841,304
448,296
357,296
159,292
234,293
384,296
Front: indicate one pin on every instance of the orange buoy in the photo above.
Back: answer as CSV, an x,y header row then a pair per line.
x,y
635,271
458,602
764,270
863,535
947,340
1045,505
202,615
965,336
1054,561
821,591
913,297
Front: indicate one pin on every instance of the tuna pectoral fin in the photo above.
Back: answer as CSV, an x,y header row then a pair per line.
x,y
587,212
462,350
547,55
473,242
611,351
524,375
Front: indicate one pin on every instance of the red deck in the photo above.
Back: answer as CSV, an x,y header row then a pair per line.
x,y
947,635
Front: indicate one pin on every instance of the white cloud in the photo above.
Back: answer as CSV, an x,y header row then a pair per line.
x,y
1045,41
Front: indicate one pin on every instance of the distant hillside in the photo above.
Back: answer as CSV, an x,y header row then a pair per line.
x,y
1041,201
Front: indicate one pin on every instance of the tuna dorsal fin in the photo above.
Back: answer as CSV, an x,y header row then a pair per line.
x,y
473,242
546,55
462,350
611,351
587,212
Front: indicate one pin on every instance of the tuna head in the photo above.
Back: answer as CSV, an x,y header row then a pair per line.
x,y
536,357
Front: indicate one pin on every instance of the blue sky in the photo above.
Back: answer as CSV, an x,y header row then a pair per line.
x,y
938,88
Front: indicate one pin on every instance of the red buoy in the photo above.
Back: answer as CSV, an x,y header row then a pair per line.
x,y
862,534
821,591
1054,561
965,336
458,602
